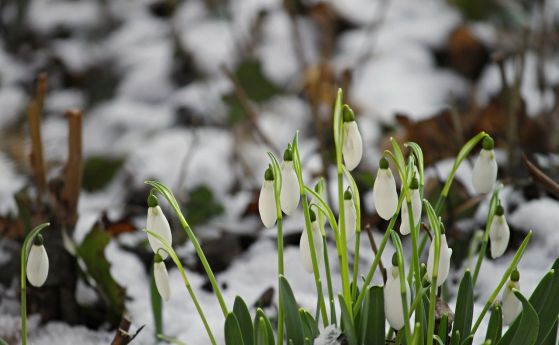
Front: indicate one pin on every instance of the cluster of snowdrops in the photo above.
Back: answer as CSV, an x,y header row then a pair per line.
x,y
359,313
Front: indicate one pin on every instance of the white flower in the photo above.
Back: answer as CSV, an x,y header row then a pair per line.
x,y
385,195
499,233
511,305
289,194
444,261
37,268
267,200
393,307
484,173
304,248
161,277
352,148
350,216
157,222
329,336
416,206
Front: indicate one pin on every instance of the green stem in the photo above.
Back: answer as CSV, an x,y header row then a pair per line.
x,y
280,273
167,247
23,277
403,285
415,256
356,264
329,283
343,239
433,295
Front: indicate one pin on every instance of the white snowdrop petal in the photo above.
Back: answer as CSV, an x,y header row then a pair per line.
x,y
393,307
385,195
444,261
499,235
511,305
352,148
416,206
37,268
405,222
289,194
305,250
350,219
157,222
162,280
484,173
267,204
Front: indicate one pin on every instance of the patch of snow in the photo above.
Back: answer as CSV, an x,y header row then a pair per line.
x,y
12,103
48,15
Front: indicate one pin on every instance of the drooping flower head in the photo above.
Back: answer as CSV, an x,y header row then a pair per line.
x,y
352,148
157,222
385,195
289,194
444,260
350,216
304,247
416,206
393,307
499,233
267,200
485,169
37,268
510,303
161,277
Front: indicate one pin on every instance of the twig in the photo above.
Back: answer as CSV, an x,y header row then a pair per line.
x,y
122,336
247,108
550,185
375,249
34,114
73,168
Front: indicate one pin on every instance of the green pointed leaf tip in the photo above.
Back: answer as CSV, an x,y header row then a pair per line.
x,y
242,314
293,323
233,334
527,331
464,305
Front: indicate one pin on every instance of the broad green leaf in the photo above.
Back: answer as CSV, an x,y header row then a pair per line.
x,y
443,328
552,336
347,322
293,323
373,321
310,329
550,309
261,333
233,334
464,305
92,252
269,331
242,314
527,331
495,325
156,305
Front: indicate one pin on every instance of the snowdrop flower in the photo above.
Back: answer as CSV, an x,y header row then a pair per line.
x,y
385,195
161,277
157,222
444,261
393,308
352,148
484,173
267,200
37,268
329,336
499,233
416,208
510,303
289,194
304,248
350,216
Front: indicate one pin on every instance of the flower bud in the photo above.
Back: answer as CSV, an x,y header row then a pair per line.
x,y
485,169
350,216
385,195
304,248
267,200
393,307
499,233
416,206
289,194
37,268
352,148
511,305
161,277
157,222
444,261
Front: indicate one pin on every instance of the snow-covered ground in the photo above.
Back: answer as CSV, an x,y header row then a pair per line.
x,y
139,125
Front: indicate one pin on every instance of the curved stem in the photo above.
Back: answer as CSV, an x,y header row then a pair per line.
x,y
23,277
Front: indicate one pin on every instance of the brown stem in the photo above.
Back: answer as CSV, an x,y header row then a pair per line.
x,y
550,185
123,336
73,168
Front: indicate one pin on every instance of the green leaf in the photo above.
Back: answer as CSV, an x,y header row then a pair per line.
x,y
252,79
552,336
156,305
293,324
201,205
418,153
310,329
233,334
443,329
527,331
455,339
495,326
99,171
3,342
337,124
464,305
347,322
240,310
261,333
549,311
92,252
269,331
373,321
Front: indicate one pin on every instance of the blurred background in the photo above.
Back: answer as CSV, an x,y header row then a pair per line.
x,y
97,96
